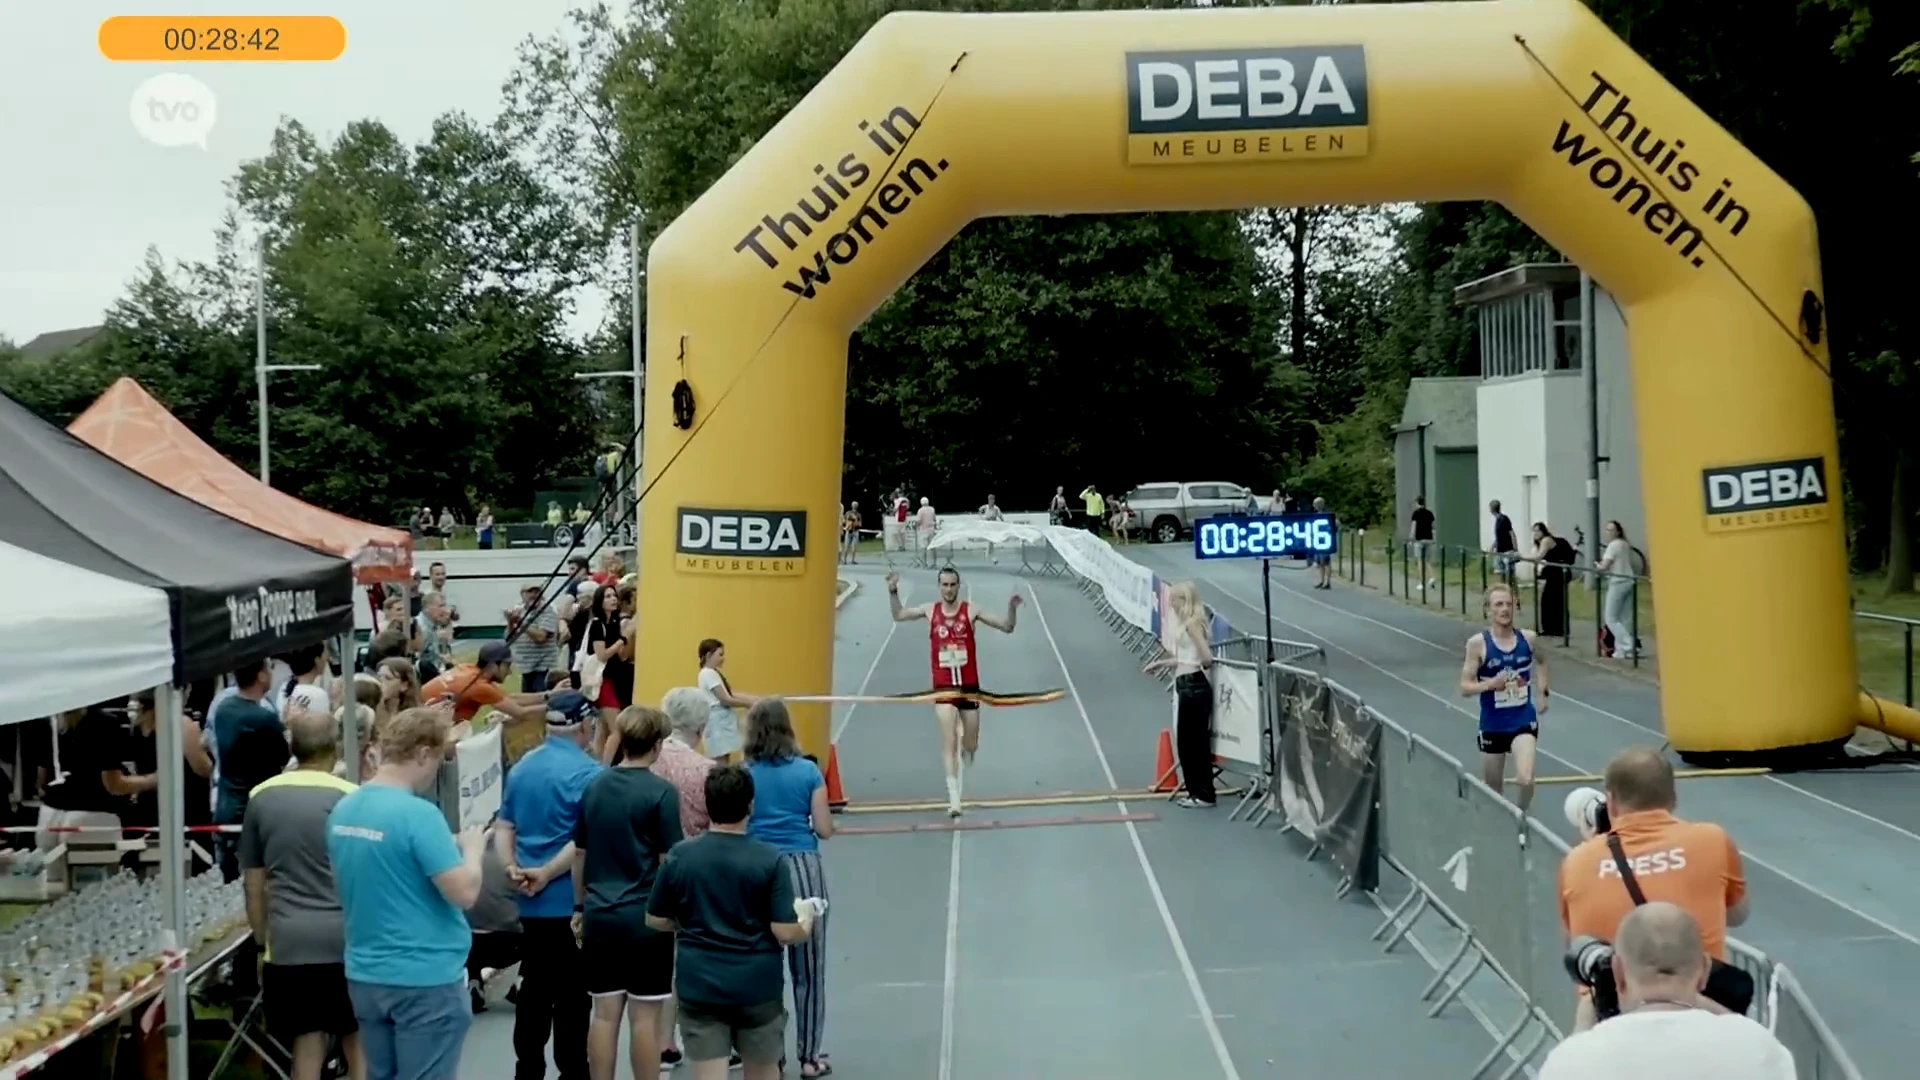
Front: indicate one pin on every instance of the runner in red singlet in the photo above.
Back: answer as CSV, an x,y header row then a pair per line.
x,y
955,667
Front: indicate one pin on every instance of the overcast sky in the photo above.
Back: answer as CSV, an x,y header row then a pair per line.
x,y
82,195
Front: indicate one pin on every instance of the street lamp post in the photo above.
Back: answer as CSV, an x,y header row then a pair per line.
x,y
260,365
639,372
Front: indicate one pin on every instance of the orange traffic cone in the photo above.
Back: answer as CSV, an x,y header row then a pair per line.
x,y
1164,769
836,798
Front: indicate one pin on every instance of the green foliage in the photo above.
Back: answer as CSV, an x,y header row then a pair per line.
x,y
428,283
1027,353
431,282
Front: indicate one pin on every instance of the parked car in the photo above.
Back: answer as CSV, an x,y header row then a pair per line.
x,y
1170,510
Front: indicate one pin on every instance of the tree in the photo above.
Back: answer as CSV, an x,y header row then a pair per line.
x,y
1018,358
430,283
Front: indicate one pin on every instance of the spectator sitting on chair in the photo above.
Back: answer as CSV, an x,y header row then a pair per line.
x,y
291,903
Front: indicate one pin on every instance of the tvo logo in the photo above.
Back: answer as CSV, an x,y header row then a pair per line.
x,y
174,110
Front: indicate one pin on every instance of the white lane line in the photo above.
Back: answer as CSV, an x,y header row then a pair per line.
x,y
1590,707
950,978
847,717
1207,1019
1541,751
949,988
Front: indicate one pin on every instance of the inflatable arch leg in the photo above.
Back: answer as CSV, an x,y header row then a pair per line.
x,y
935,120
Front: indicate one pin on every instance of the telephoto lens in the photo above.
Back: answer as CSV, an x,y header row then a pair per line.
x,y
1590,962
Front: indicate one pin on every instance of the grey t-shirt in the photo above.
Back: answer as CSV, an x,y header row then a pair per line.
x,y
497,911
285,834
725,891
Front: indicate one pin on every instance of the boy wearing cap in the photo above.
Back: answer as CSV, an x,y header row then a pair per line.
x,y
538,814
470,686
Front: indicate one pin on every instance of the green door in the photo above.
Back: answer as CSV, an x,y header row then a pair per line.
x,y
1454,494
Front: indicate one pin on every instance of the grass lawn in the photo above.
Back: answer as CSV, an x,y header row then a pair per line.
x,y
1458,586
1882,646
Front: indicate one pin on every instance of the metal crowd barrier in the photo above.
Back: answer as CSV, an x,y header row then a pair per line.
x,y
913,550
1478,894
1481,886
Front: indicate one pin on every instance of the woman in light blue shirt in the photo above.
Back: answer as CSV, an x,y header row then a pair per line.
x,y
790,812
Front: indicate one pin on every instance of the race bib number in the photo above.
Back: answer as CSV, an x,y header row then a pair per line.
x,y
1513,695
953,656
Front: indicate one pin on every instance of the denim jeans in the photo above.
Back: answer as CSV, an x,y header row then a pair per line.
x,y
412,1032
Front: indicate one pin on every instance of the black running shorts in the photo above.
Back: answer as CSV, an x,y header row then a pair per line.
x,y
1501,742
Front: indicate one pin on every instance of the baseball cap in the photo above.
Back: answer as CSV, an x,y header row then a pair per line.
x,y
568,708
495,652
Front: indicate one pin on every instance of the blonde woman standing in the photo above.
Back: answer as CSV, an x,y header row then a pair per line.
x,y
1191,661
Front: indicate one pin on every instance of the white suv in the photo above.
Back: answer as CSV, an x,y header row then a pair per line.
x,y
1169,510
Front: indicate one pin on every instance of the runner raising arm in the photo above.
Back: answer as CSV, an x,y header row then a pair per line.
x,y
1005,626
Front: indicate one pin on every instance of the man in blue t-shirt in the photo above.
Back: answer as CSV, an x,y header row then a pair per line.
x,y
404,885
250,743
539,812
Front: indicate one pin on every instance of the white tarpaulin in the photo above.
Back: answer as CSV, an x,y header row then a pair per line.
x,y
482,769
70,637
1128,586
1236,715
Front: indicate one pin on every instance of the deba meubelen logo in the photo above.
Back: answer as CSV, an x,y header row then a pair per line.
x,y
768,542
1216,106
1767,493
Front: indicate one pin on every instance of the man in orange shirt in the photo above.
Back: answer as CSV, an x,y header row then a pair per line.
x,y
470,686
1689,863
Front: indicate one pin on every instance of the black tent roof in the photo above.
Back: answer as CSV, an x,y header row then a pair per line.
x,y
236,593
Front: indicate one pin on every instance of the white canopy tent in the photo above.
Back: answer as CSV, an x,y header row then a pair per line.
x,y
70,637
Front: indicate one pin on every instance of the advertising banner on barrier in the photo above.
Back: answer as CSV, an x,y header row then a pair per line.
x,y
1128,586
1329,775
1163,614
482,769
1237,733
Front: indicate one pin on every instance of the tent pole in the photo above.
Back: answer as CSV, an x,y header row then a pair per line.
x,y
639,371
349,712
260,350
173,873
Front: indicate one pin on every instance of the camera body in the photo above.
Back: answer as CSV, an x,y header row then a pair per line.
x,y
1590,962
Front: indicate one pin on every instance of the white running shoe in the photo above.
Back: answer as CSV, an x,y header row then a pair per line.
x,y
953,796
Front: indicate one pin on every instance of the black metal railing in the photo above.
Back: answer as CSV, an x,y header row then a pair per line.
x,y
1447,576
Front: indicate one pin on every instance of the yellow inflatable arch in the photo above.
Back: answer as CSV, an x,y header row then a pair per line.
x,y
935,120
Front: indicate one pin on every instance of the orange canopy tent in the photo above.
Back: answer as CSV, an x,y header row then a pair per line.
x,y
130,426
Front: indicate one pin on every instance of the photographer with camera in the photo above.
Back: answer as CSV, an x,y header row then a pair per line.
x,y
1666,1026
1647,854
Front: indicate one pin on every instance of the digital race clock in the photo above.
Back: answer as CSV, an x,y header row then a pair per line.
x,y
1264,536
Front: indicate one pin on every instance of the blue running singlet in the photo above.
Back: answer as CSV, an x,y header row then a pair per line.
x,y
1510,709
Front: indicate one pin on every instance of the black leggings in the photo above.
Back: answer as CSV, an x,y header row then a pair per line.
x,y
1193,734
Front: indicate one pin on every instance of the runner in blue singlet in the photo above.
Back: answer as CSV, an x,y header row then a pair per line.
x,y
1509,675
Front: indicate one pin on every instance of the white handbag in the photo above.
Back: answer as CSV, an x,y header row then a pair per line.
x,y
590,669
